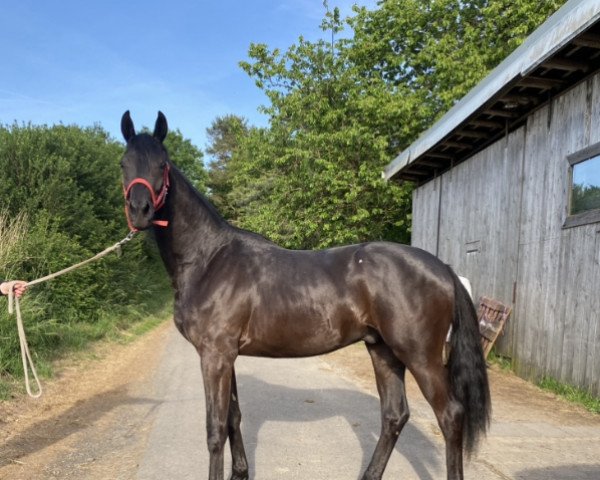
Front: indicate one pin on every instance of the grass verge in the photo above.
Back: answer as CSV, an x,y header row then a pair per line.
x,y
572,394
503,362
70,339
567,392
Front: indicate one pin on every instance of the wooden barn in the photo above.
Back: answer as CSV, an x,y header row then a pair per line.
x,y
508,193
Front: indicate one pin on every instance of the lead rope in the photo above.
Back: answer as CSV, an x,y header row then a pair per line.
x,y
25,355
13,304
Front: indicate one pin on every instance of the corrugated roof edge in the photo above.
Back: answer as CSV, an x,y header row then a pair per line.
x,y
569,21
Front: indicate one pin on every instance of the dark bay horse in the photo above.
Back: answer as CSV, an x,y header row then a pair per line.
x,y
237,293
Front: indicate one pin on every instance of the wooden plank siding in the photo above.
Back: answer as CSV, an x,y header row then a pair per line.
x,y
501,221
479,219
426,201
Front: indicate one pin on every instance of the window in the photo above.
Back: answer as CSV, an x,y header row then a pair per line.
x,y
584,204
585,189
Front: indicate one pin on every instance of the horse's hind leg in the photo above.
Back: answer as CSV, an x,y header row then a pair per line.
x,y
238,454
389,374
433,381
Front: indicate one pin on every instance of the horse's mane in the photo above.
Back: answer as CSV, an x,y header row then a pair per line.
x,y
197,195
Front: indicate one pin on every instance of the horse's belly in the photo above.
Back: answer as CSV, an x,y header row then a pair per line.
x,y
299,338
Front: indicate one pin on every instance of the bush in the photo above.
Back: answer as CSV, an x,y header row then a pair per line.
x,y
62,202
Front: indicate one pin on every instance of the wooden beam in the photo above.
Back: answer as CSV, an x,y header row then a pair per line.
x,y
421,173
591,40
540,82
429,163
410,178
442,156
565,64
501,113
472,134
462,146
518,99
486,124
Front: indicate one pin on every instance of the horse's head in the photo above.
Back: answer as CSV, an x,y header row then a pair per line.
x,y
145,172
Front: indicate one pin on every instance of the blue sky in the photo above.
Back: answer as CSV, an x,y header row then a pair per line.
x,y
78,62
587,173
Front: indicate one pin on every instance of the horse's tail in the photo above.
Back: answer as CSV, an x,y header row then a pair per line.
x,y
467,369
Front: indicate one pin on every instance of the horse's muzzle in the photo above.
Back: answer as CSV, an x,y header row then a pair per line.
x,y
141,211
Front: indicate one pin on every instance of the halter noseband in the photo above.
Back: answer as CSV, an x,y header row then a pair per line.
x,y
158,201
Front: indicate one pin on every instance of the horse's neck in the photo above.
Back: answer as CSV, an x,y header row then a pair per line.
x,y
195,231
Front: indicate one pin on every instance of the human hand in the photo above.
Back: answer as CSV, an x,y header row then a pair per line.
x,y
18,286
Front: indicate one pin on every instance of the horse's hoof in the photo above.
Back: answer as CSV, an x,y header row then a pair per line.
x,y
369,476
240,476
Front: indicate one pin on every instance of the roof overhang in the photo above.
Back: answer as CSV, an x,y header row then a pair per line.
x,y
559,54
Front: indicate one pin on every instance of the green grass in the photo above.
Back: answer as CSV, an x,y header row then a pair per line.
x,y
567,392
52,340
503,362
572,394
5,390
77,340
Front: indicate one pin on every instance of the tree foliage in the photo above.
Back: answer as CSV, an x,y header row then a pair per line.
x,y
584,198
188,158
319,163
430,53
63,186
342,107
224,135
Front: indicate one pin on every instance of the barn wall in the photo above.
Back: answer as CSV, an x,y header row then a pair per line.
x,y
426,201
501,225
478,226
559,274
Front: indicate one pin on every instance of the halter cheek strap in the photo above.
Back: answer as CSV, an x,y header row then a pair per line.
x,y
158,201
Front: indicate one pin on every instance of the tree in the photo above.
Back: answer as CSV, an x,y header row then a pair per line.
x,y
63,185
430,53
188,158
68,172
328,142
224,135
340,109
322,161
585,197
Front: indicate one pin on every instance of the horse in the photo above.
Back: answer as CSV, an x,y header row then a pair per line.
x,y
237,293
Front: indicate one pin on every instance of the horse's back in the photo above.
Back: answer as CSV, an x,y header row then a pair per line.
x,y
402,268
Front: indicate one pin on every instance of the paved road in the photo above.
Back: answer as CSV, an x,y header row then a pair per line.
x,y
302,420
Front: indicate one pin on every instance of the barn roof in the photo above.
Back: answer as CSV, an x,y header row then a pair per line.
x,y
559,54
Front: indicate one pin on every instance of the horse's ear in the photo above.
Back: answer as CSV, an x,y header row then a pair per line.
x,y
161,128
127,128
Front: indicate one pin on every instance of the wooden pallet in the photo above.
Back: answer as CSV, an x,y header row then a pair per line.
x,y
492,316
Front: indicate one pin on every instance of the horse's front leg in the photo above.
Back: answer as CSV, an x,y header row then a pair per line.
x,y
238,453
217,372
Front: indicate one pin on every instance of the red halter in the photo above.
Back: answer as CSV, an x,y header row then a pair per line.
x,y
157,200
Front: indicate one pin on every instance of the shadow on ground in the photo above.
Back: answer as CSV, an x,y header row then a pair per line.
x,y
360,410
79,417
563,472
